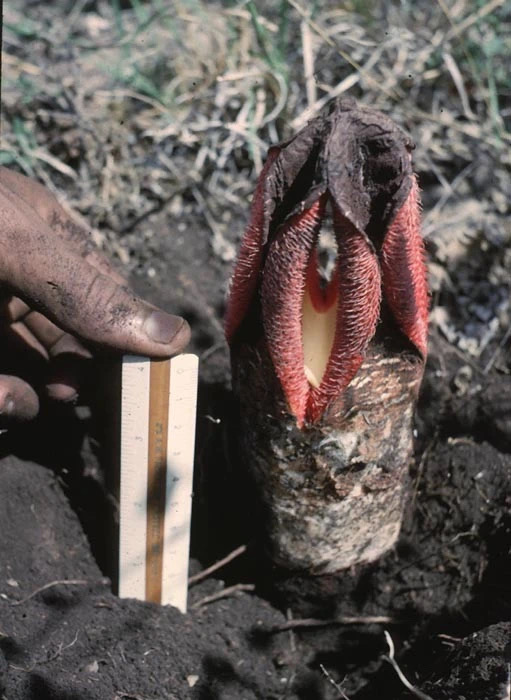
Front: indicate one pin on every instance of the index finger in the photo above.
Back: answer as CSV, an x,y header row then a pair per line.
x,y
73,229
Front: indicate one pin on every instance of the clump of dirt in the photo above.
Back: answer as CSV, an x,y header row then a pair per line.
x,y
64,635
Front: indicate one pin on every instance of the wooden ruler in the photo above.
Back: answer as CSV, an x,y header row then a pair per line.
x,y
158,410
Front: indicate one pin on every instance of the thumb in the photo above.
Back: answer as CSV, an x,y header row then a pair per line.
x,y
91,305
46,272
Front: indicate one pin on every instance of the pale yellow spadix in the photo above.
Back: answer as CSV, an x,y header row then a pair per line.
x,y
318,331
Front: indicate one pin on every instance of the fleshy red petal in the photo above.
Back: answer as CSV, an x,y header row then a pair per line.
x,y
246,273
282,292
404,272
357,314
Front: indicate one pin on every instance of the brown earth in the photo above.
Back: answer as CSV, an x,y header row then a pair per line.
x,y
156,138
447,579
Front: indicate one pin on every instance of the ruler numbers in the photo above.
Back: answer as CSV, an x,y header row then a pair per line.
x,y
180,450
133,496
157,449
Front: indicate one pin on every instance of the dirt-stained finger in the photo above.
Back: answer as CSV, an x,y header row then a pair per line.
x,y
54,339
72,229
18,401
13,309
95,308
66,376
20,331
68,357
69,363
49,275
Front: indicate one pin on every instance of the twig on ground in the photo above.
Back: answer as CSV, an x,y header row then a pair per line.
x,y
308,63
56,654
342,87
217,565
458,29
457,79
212,350
60,649
362,70
221,246
449,640
423,460
498,350
65,582
292,638
224,593
292,662
55,163
462,355
342,620
450,188
329,678
390,658
19,64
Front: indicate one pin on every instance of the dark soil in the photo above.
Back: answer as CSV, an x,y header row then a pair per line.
x,y
445,589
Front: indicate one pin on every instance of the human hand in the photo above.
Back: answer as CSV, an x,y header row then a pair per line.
x,y
59,298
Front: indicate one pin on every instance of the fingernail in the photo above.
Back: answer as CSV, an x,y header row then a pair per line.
x,y
162,327
61,392
7,409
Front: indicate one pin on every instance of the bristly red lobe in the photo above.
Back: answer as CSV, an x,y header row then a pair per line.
x,y
248,266
404,272
291,262
282,290
357,314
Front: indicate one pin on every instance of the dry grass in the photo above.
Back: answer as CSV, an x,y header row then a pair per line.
x,y
123,107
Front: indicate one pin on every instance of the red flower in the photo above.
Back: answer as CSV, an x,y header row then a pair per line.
x,y
350,166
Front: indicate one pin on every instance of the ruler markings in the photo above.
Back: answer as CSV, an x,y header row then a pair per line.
x,y
180,451
133,493
157,451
